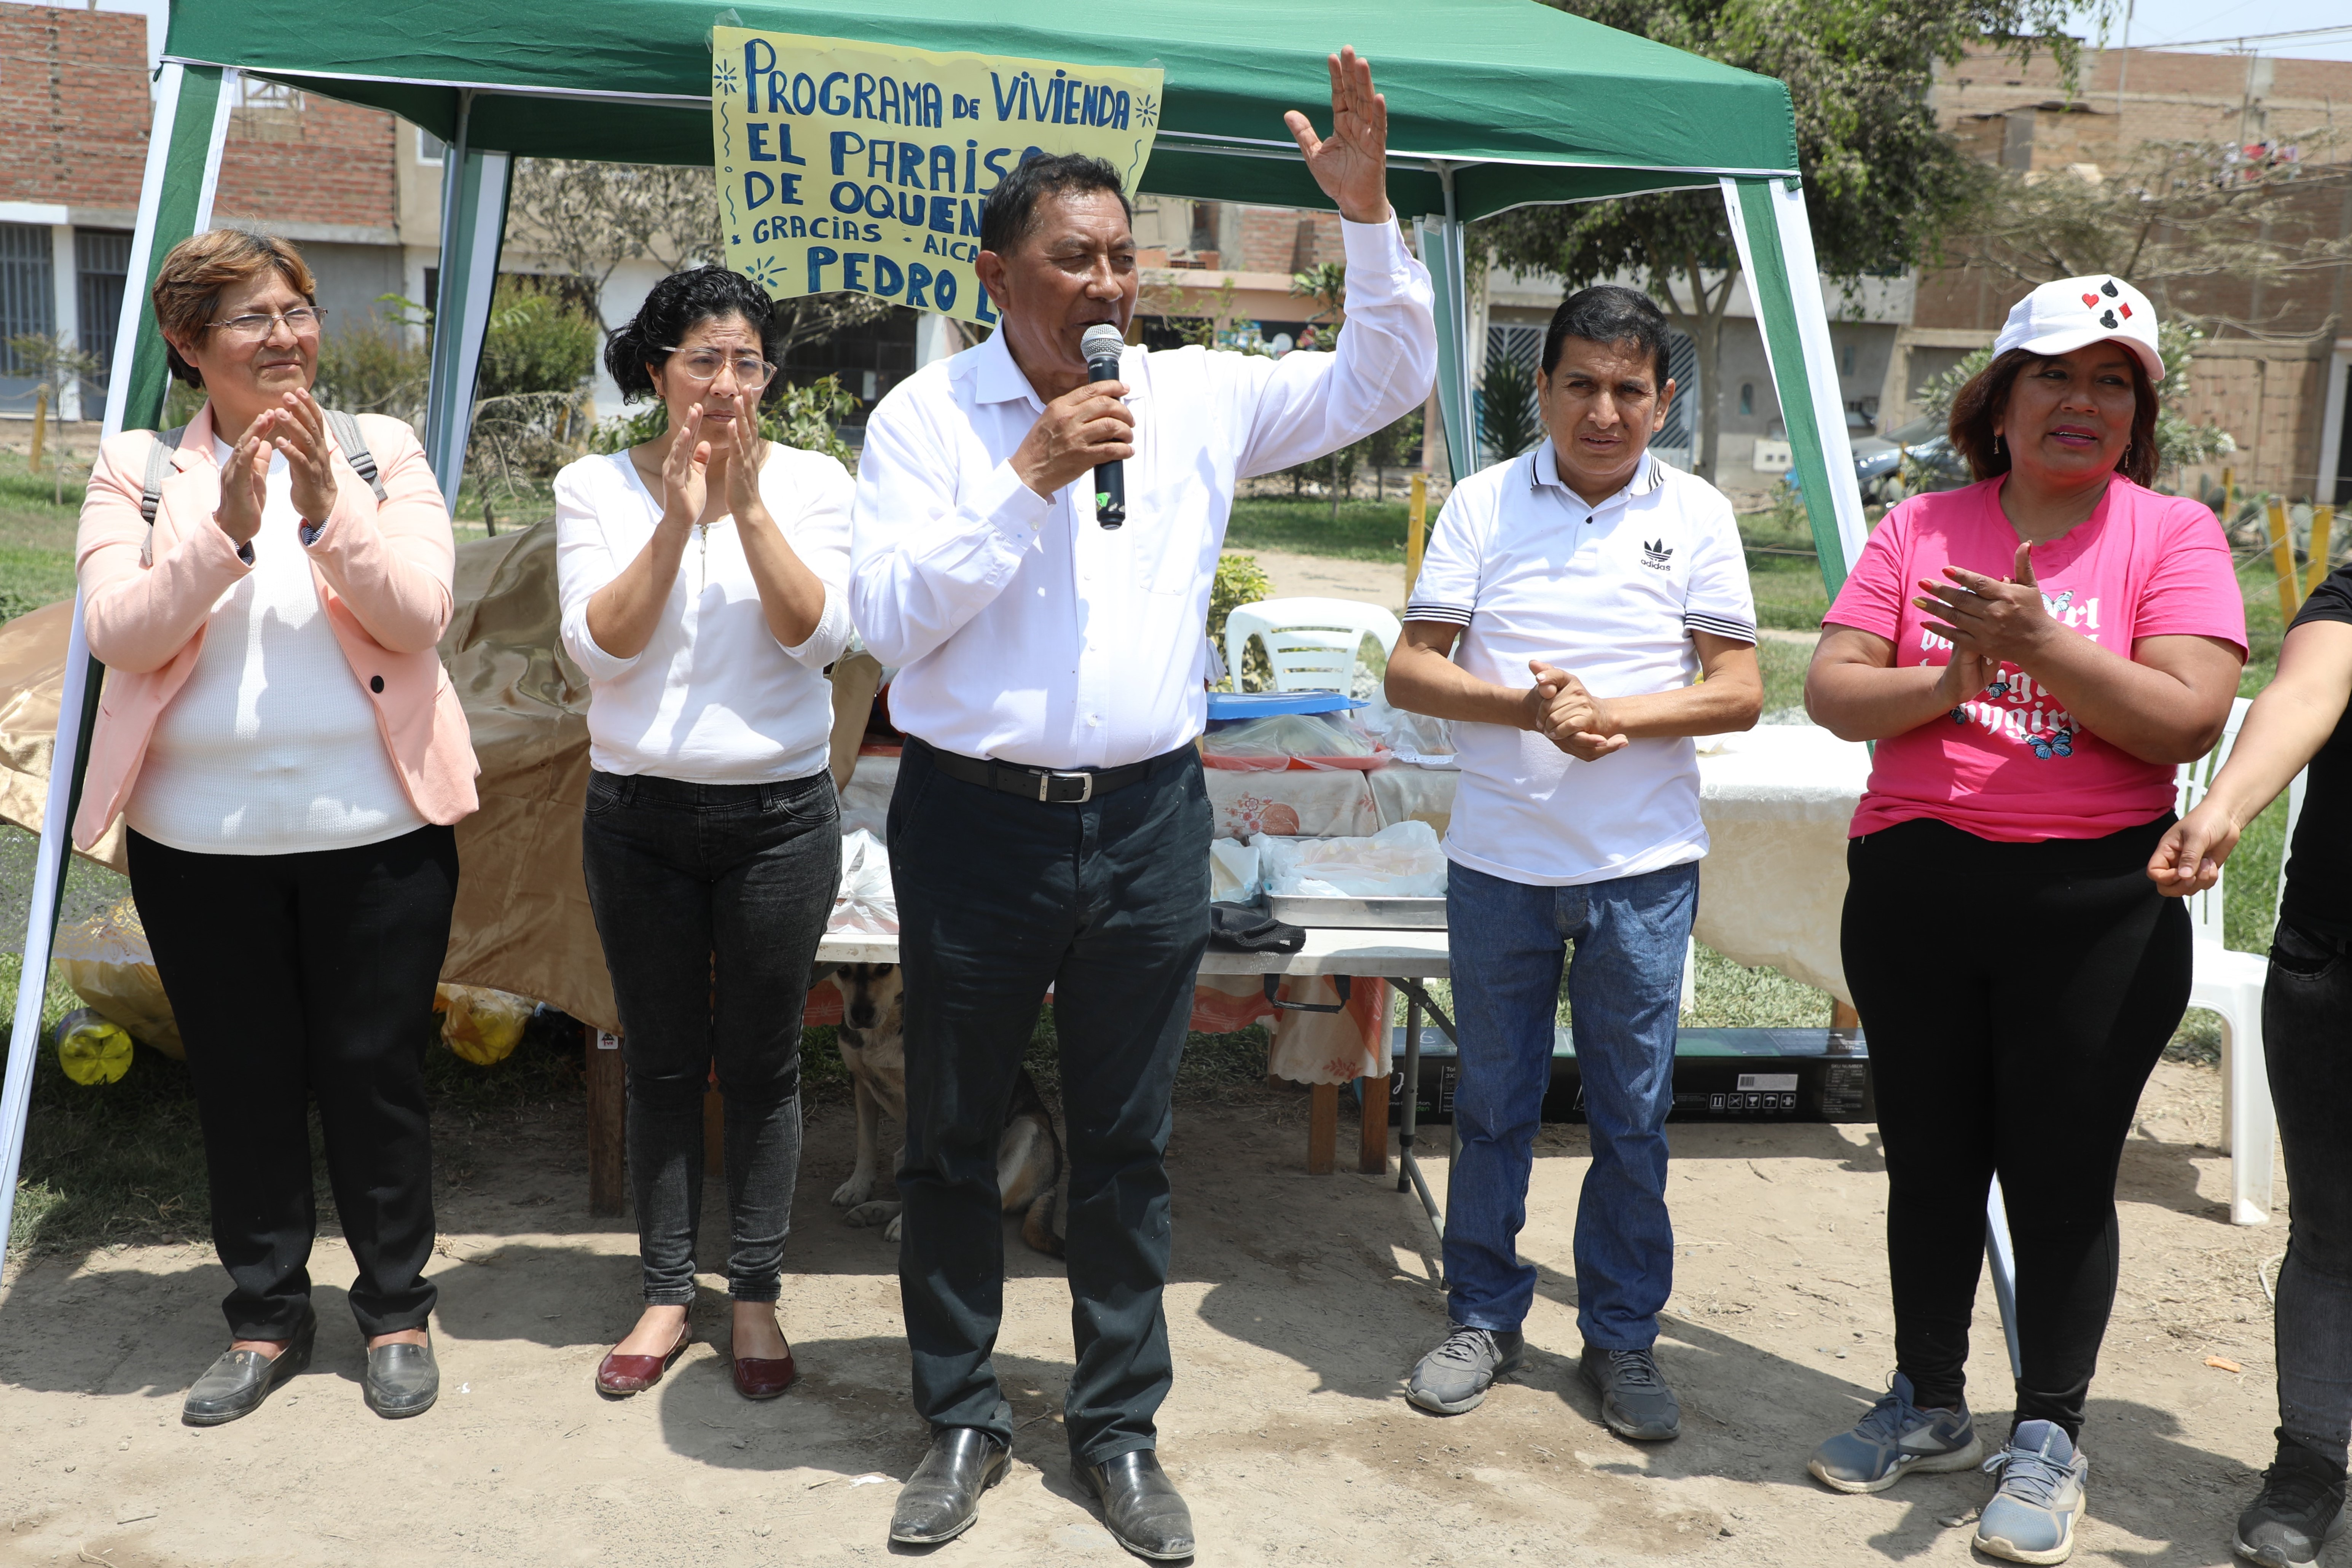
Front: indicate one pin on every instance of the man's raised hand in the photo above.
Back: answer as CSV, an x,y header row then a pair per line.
x,y
1351,163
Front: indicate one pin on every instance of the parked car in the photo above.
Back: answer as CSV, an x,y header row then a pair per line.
x,y
1879,465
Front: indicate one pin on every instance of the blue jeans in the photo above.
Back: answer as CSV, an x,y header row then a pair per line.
x,y
1509,941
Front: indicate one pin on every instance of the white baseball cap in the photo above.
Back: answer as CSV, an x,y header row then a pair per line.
x,y
2061,317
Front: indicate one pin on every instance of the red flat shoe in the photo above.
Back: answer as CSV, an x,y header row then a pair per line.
x,y
759,1379
618,1376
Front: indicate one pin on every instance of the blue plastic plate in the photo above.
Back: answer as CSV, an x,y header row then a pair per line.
x,y
1229,705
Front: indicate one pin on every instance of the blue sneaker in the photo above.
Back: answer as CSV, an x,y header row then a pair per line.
x,y
2031,1517
1895,1438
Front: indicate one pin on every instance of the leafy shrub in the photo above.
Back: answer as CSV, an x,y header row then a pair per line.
x,y
1507,413
1240,581
536,342
368,371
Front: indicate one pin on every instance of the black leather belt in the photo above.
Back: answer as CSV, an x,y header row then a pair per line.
x,y
1053,786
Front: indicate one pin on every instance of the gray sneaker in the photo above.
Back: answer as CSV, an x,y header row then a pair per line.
x,y
1895,1438
1635,1399
1455,1376
2031,1517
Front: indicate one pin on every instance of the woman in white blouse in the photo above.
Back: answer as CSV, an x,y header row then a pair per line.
x,y
703,575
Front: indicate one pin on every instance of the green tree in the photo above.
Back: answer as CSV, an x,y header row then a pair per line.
x,y
1883,183
1507,425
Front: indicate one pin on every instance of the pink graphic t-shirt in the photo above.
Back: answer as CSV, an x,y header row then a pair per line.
x,y
2014,765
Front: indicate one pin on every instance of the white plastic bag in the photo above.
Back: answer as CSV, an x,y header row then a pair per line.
x,y
865,902
1401,861
1416,738
1233,871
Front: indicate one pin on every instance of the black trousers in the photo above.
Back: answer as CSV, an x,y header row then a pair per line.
x,y
710,901
2308,1047
2016,997
301,976
999,897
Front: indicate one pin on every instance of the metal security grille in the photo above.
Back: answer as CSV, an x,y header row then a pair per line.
x,y
26,301
101,262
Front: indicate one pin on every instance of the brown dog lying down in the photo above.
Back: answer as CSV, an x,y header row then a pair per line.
x,y
873,1043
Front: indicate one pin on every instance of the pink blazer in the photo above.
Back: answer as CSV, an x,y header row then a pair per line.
x,y
383,570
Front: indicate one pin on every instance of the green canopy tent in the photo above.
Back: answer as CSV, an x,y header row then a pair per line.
x,y
1493,104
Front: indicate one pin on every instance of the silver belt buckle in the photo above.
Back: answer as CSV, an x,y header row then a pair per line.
x,y
1045,787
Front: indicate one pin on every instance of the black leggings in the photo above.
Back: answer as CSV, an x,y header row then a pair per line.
x,y
2015,997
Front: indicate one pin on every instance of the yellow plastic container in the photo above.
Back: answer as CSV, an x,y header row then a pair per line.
x,y
90,1049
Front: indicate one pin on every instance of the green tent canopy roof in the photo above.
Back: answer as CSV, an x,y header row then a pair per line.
x,y
1529,103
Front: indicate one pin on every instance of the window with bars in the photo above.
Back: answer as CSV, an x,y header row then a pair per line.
x,y
101,266
27,303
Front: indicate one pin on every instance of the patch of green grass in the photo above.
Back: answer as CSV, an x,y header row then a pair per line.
x,y
1365,531
1783,668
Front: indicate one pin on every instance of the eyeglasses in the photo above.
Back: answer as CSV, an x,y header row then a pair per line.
x,y
702,366
302,321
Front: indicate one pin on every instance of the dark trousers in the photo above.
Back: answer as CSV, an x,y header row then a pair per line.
x,y
999,897
2016,997
301,976
710,901
2308,1045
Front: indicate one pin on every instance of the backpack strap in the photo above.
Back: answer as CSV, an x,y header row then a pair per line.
x,y
355,447
159,468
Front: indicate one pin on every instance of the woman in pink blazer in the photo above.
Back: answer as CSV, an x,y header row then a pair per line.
x,y
277,732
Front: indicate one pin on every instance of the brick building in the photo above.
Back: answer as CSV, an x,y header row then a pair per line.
x,y
74,116
2275,371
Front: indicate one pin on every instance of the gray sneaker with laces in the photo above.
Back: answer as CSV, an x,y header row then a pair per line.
x,y
1895,1438
1635,1399
2030,1518
1455,1376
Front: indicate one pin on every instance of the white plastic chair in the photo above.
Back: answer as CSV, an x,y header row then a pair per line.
x,y
2231,984
1312,644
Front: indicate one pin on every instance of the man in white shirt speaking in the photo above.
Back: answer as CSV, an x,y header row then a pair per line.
x,y
1588,583
1050,825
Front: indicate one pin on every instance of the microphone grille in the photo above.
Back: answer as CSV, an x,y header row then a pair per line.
x,y
1102,340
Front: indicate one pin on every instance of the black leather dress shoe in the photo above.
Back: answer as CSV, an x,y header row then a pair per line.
x,y
941,1499
401,1380
235,1385
1141,1506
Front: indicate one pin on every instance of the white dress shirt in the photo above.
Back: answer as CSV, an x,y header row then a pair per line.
x,y
1024,631
713,698
1612,594
270,747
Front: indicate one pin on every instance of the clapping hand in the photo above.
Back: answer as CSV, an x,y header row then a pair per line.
x,y
1351,163
743,500
301,436
1568,715
244,481
1987,618
686,472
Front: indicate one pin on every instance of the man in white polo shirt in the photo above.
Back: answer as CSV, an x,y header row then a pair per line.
x,y
1590,587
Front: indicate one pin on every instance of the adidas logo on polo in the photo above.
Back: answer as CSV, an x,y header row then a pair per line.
x,y
1656,556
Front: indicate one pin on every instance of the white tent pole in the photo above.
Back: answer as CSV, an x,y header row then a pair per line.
x,y
473,229
1776,254
201,97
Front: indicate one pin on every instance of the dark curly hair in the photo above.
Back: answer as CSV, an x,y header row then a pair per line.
x,y
1980,404
674,307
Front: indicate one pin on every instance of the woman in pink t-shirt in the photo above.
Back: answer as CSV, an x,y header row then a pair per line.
x,y
2033,656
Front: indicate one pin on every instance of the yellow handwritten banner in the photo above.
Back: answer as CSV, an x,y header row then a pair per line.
x,y
855,168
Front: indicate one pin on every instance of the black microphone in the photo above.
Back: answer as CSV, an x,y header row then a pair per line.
x,y
1102,346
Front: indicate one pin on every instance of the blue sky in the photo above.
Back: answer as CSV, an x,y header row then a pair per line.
x,y
2156,22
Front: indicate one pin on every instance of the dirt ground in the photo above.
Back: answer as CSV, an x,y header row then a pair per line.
x,y
1298,1304
1328,577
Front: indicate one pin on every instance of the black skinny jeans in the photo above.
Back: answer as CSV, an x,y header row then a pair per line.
x,y
710,901
1108,903
2308,1045
301,976
2016,997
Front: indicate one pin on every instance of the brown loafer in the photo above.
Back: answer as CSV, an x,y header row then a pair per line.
x,y
619,1376
759,1378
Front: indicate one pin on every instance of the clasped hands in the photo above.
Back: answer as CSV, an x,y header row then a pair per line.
x,y
1990,621
297,430
1560,709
